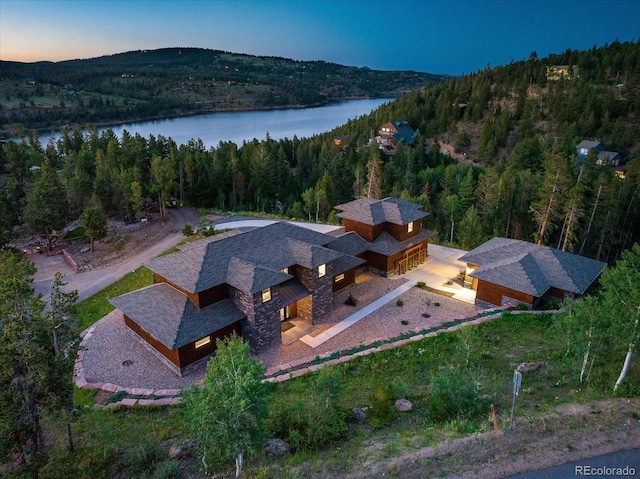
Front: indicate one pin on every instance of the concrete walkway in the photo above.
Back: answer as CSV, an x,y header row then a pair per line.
x,y
316,341
441,266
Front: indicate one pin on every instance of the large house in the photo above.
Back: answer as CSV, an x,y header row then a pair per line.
x,y
507,271
250,282
393,133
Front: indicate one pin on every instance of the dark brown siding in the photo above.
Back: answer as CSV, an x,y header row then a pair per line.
x,y
556,293
377,261
493,293
189,354
368,232
213,295
349,278
171,355
400,232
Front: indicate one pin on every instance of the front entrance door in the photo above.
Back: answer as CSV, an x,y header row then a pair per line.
x,y
285,313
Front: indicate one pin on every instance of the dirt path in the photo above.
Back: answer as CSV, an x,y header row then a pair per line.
x,y
145,247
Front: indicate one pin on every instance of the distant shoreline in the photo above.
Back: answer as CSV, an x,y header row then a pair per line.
x,y
10,136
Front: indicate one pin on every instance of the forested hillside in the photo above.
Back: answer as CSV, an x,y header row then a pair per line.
x,y
514,171
179,81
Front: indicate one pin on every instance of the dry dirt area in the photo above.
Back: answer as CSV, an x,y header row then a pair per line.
x,y
568,433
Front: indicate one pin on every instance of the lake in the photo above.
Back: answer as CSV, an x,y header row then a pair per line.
x,y
212,128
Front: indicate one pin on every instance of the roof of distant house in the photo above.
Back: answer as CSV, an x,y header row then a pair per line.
x,y
374,212
405,132
530,268
589,144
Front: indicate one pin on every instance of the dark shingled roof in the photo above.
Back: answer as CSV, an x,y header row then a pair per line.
x,y
374,212
268,250
350,243
170,317
387,245
530,268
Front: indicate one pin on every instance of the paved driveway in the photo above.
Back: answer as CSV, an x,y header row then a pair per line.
x,y
260,223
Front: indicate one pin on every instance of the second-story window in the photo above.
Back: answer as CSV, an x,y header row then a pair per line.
x,y
322,270
410,227
266,295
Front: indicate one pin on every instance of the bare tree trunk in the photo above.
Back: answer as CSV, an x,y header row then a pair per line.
x,y
238,465
70,447
549,209
627,359
585,361
593,214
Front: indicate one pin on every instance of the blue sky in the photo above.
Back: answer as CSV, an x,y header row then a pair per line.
x,y
437,36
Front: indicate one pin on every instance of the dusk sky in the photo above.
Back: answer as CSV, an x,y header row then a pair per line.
x,y
446,36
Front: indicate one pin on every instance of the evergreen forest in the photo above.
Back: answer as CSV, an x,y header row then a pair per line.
x,y
494,155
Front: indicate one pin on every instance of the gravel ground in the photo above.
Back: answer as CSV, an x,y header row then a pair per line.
x,y
112,344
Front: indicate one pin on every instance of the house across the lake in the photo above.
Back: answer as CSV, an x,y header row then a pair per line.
x,y
507,271
252,282
393,133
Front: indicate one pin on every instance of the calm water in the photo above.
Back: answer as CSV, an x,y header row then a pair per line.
x,y
245,126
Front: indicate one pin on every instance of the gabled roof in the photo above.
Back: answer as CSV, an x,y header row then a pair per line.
x,y
250,278
373,212
405,132
260,253
530,268
350,243
608,156
170,317
590,144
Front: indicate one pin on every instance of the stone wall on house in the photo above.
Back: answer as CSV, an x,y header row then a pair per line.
x,y
261,328
321,299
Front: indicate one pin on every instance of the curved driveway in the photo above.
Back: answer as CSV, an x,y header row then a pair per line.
x,y
88,283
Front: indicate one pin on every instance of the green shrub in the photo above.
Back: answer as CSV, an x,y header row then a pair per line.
x,y
404,322
187,230
400,303
381,412
351,300
312,419
421,284
169,469
453,395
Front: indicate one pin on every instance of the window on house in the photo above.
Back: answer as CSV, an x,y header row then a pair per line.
x,y
266,295
202,342
322,270
410,227
285,270
338,278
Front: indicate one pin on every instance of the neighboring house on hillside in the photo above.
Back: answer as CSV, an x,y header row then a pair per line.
x,y
562,72
508,271
612,158
251,282
393,133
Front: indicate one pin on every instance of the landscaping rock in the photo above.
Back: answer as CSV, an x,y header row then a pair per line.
x,y
359,414
176,451
527,367
276,446
403,405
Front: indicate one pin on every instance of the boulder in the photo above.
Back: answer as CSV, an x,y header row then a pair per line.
x,y
276,446
403,405
176,451
359,414
527,367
